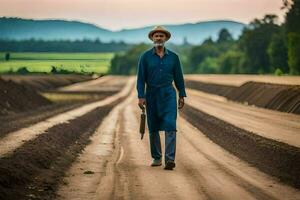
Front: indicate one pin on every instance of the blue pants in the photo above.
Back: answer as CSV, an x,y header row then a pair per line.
x,y
170,145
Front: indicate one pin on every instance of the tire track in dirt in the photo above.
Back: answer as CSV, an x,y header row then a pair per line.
x,y
147,182
99,157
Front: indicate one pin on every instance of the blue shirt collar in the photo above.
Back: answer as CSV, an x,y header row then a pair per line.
x,y
165,51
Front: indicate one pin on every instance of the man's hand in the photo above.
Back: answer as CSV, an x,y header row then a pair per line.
x,y
141,103
180,102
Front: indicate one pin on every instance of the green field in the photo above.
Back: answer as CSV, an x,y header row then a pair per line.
x,y
69,62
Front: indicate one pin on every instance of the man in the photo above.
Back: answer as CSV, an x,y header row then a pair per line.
x,y
157,68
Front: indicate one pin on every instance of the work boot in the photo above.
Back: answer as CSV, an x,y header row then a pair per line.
x,y
156,162
170,165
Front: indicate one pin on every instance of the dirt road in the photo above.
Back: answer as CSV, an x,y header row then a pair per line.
x,y
118,162
96,153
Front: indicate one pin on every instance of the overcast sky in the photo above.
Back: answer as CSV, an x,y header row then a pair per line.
x,y
120,14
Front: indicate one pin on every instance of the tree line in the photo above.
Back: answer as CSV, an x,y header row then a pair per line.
x,y
85,45
264,47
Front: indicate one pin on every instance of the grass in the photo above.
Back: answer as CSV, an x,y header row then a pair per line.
x,y
43,62
62,98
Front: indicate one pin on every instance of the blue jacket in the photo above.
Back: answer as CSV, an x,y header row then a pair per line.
x,y
155,76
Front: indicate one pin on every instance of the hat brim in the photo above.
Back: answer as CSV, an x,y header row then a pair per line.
x,y
168,34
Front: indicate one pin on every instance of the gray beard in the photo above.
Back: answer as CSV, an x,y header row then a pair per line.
x,y
159,44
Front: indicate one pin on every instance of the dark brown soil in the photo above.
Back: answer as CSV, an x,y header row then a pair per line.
x,y
16,121
285,98
212,88
272,157
34,170
20,94
18,98
46,82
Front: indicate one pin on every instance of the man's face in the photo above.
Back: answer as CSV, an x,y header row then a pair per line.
x,y
159,38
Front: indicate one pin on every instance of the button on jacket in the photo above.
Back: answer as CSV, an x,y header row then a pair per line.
x,y
155,76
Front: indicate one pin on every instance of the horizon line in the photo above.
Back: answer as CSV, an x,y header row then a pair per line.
x,y
122,29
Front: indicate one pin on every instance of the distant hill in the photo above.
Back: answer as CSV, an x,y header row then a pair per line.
x,y
16,28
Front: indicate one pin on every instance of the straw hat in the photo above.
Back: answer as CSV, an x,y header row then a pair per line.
x,y
159,29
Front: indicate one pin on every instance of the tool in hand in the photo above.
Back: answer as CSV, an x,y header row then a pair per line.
x,y
143,122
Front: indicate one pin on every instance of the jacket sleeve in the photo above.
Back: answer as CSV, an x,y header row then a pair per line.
x,y
141,77
178,78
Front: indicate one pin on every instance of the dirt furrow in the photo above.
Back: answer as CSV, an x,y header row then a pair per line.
x,y
238,186
86,84
35,169
25,119
18,138
272,157
219,169
282,127
119,163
